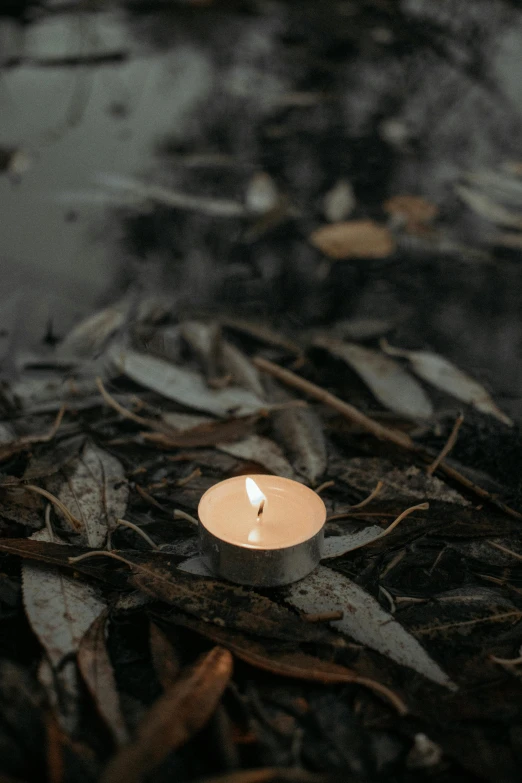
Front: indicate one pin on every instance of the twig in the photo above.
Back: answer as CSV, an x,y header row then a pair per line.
x,y
145,495
323,617
182,482
506,661
504,549
323,486
388,530
348,513
99,553
139,531
70,61
77,525
178,514
119,408
430,470
344,408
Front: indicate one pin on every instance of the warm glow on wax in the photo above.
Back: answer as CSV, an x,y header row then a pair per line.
x,y
267,512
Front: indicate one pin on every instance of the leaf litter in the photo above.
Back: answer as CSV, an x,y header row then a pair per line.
x,y
182,423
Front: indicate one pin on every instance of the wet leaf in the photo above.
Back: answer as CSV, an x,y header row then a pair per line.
x,y
363,473
95,491
97,672
445,376
300,431
186,387
60,609
364,620
173,719
354,239
164,657
339,201
390,383
261,450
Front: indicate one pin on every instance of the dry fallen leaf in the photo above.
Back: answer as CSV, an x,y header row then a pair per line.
x,y
364,620
264,451
390,383
97,672
94,489
60,609
165,658
354,239
90,335
173,719
301,433
339,201
186,386
445,376
415,210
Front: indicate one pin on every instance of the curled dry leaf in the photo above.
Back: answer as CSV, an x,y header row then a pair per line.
x,y
301,433
390,383
173,719
186,386
195,431
97,672
354,239
89,336
487,208
60,609
364,620
95,491
445,376
262,450
241,369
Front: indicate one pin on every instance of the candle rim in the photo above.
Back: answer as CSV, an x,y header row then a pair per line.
x,y
319,512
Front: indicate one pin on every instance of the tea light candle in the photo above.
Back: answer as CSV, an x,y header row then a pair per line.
x,y
261,530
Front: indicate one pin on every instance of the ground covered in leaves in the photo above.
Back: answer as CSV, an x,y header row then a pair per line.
x,y
320,282
396,659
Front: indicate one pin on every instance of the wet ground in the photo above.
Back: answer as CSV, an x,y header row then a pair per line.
x,y
394,100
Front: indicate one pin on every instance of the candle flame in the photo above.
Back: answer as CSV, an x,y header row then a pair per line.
x,y
257,500
255,495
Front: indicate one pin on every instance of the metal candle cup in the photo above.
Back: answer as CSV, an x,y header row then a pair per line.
x,y
264,533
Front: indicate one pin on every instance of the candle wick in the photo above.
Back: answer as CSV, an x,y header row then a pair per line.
x,y
260,510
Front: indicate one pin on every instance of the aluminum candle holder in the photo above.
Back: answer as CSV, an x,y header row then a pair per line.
x,y
267,536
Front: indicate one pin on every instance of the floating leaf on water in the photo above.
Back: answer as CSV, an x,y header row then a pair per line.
x,y
445,376
186,386
95,491
301,433
363,473
415,210
261,195
339,202
60,609
257,448
354,239
97,672
390,383
173,719
364,620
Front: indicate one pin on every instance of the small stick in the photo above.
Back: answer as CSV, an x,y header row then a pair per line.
x,y
506,661
504,549
419,507
139,531
182,482
77,525
119,408
98,553
348,513
145,495
344,408
178,514
323,617
324,485
430,470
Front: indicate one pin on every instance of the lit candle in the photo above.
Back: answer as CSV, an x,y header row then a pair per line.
x,y
261,530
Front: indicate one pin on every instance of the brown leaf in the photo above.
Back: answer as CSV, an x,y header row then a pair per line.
x,y
164,657
173,719
270,775
207,433
415,210
295,664
354,239
301,432
96,669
